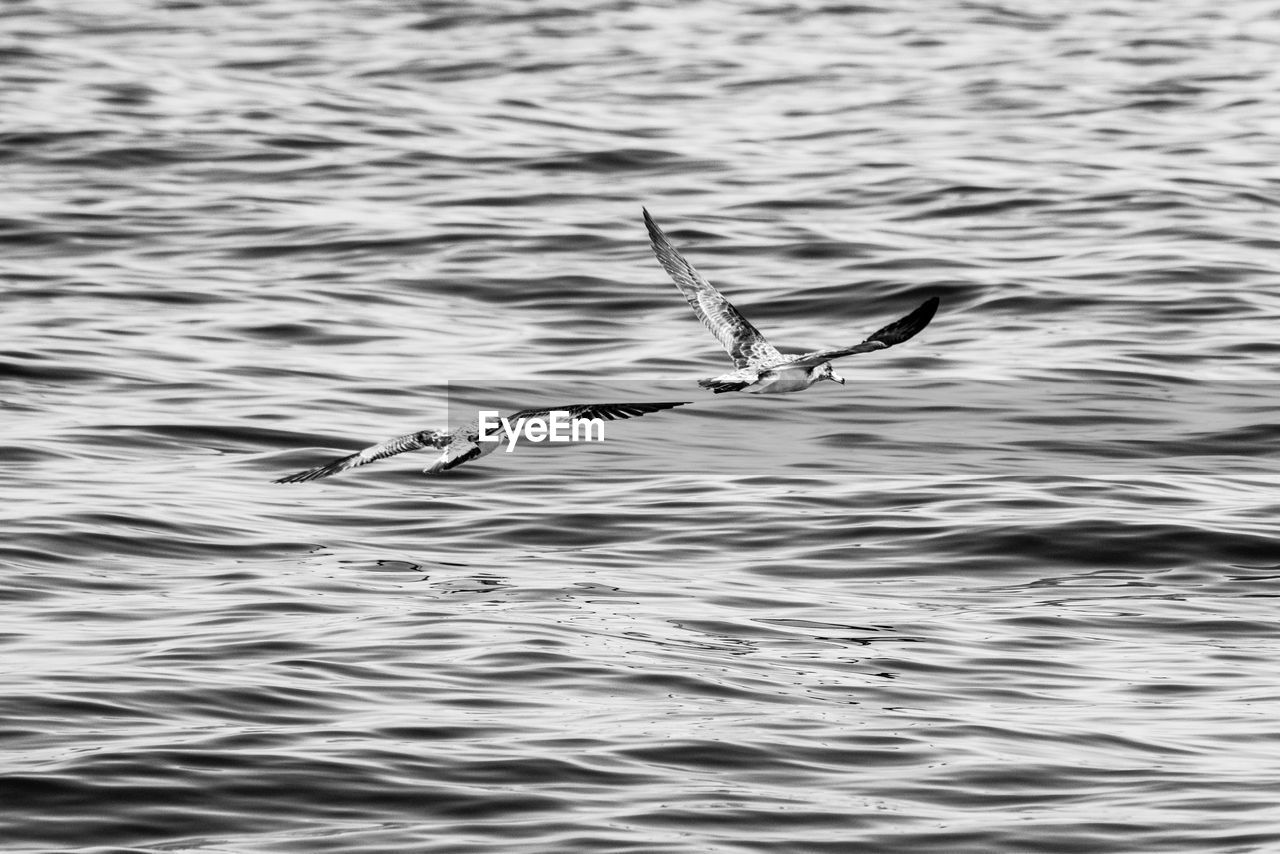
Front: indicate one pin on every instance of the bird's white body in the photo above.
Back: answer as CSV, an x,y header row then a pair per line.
x,y
780,380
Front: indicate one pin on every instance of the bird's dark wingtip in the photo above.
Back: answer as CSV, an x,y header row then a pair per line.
x,y
309,474
300,477
655,233
926,311
908,327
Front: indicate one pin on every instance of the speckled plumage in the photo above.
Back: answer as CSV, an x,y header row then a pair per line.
x,y
759,367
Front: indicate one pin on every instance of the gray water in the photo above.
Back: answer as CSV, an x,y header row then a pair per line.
x,y
1010,589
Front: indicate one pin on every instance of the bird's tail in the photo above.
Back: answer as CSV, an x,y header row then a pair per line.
x,y
458,457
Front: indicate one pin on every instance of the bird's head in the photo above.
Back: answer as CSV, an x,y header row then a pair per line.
x,y
826,372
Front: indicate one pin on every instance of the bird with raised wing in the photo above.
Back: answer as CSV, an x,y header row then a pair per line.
x,y
464,443
758,366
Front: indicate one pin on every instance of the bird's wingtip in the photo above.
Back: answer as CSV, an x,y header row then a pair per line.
x,y
906,328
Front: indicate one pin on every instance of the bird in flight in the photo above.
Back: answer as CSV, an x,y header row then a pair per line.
x,y
463,444
758,366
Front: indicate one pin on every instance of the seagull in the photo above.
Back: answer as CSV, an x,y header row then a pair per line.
x,y
463,444
758,366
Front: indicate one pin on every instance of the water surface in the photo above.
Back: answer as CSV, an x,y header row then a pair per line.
x,y
1011,589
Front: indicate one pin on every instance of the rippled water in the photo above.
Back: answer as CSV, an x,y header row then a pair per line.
x,y
1011,589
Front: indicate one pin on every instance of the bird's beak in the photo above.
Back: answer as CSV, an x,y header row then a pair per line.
x,y
838,378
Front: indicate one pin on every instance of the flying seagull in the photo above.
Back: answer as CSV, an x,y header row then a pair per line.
x,y
758,366
463,444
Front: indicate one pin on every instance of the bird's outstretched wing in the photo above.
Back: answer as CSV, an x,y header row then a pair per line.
x,y
389,448
895,333
464,444
744,343
604,411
